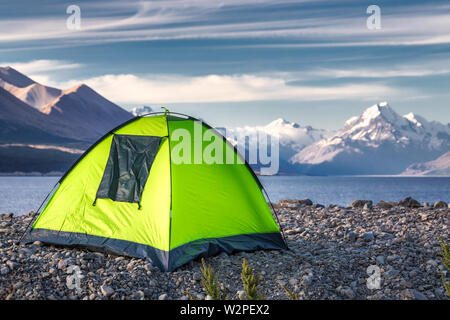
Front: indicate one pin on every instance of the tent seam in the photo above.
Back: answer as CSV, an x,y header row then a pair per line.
x,y
170,209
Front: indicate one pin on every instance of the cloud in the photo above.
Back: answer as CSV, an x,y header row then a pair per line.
x,y
274,86
170,20
153,89
41,70
108,21
418,69
41,66
424,66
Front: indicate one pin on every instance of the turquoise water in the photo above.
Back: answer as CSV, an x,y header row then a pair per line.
x,y
19,195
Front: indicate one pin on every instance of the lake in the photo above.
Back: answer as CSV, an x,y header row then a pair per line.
x,y
19,195
342,190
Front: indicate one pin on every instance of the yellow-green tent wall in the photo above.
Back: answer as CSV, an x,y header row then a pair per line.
x,y
185,210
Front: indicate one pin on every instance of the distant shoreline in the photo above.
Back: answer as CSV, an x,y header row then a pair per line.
x,y
31,174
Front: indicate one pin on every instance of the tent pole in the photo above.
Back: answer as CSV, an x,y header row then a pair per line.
x,y
170,168
276,216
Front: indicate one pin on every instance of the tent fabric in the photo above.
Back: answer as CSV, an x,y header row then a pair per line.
x,y
192,201
127,168
160,258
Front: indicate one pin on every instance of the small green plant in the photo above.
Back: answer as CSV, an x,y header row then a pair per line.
x,y
290,293
250,282
210,282
445,252
190,295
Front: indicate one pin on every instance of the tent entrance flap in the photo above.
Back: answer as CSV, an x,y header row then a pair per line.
x,y
128,166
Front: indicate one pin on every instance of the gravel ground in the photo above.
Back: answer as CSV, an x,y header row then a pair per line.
x,y
331,251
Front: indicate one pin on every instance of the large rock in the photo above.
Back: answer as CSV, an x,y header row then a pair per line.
x,y
380,259
306,202
6,216
106,290
11,265
4,270
293,203
368,236
412,294
62,264
385,204
409,203
361,203
351,235
440,204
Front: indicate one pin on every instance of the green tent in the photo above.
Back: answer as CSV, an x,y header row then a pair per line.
x,y
138,191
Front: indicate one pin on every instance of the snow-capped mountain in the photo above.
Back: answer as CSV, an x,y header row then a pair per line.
x,y
139,111
292,138
291,134
379,141
438,167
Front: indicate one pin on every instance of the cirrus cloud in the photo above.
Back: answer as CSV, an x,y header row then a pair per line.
x,y
133,89
41,66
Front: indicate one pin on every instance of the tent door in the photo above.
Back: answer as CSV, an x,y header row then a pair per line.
x,y
128,166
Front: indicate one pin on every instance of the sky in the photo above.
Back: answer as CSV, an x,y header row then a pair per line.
x,y
240,62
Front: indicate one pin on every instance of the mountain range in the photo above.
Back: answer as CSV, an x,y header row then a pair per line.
x,y
45,129
438,167
292,139
78,113
32,115
379,141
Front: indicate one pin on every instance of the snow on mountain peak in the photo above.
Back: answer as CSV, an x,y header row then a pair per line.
x,y
378,122
378,133
291,135
139,111
381,109
416,119
277,122
280,122
410,116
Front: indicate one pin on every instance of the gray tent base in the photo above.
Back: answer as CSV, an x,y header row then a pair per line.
x,y
164,260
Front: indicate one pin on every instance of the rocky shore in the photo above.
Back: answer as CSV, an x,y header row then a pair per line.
x,y
331,250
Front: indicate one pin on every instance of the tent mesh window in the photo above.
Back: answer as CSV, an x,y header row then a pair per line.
x,y
128,166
